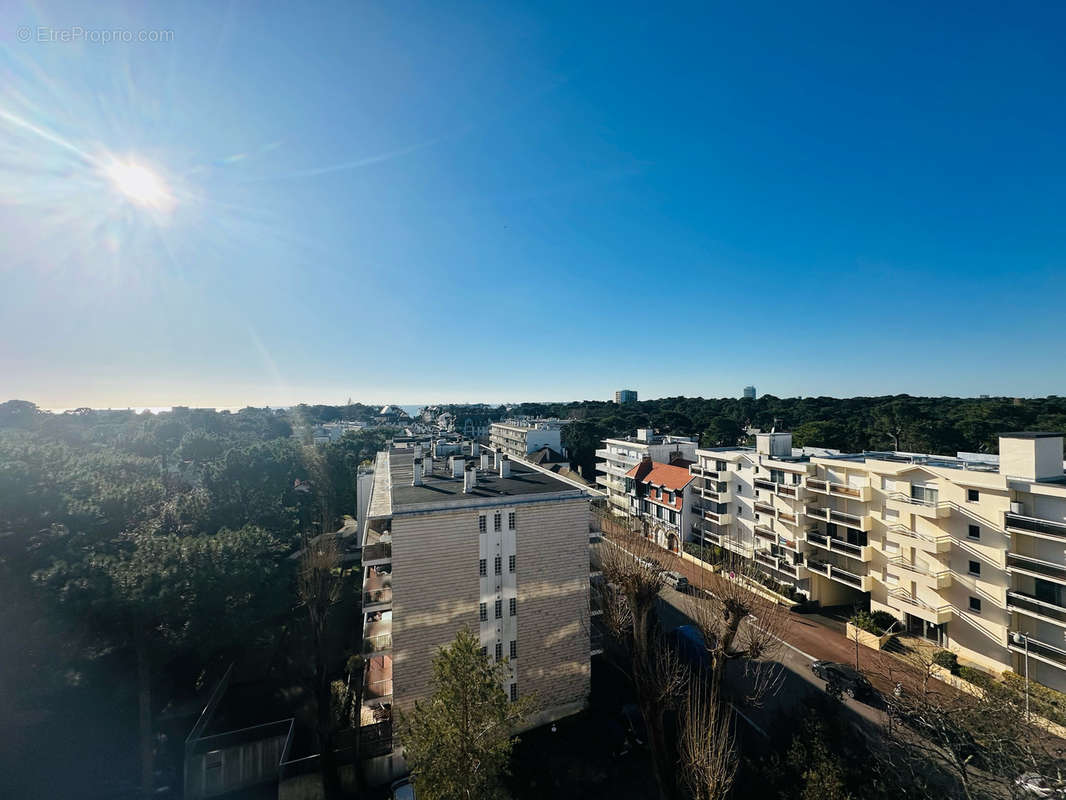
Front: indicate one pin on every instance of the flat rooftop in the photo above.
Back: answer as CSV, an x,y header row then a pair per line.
x,y
440,488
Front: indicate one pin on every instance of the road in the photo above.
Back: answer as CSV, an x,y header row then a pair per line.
x,y
797,679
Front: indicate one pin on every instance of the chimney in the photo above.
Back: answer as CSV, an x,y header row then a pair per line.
x,y
1032,455
417,479
475,448
469,477
505,466
484,461
457,466
428,461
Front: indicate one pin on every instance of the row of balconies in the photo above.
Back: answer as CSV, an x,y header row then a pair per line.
x,y
832,544
839,574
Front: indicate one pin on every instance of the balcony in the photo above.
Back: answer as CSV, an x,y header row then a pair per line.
x,y
377,632
835,573
906,504
858,493
379,554
903,600
703,535
1033,526
704,472
765,508
765,559
720,494
834,545
722,517
378,682
931,576
817,513
1030,606
786,516
927,544
861,522
765,533
792,491
1037,568
377,590
1048,653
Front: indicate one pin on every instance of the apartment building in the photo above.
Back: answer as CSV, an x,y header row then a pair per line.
x,y
482,541
662,498
619,456
623,396
519,438
967,552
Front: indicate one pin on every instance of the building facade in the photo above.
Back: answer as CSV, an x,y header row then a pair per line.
x,y
482,542
661,498
749,392
519,438
969,553
625,396
618,456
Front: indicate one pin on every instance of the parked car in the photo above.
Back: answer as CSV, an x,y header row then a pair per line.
x,y
842,679
676,580
1034,784
403,789
690,646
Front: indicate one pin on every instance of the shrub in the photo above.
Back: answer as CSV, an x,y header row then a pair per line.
x,y
975,676
710,554
947,660
864,622
1043,701
884,621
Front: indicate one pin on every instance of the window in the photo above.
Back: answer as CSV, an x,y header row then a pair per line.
x,y
670,497
514,606
497,565
975,567
740,490
485,652
499,609
514,648
673,517
482,525
499,651
975,605
888,485
974,532
740,510
484,612
511,519
924,495
972,495
720,466
481,568
497,524
510,563
514,692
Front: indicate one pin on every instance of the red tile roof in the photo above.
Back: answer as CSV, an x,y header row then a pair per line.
x,y
672,477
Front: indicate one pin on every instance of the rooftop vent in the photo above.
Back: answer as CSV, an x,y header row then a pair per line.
x,y
505,466
469,477
416,479
457,466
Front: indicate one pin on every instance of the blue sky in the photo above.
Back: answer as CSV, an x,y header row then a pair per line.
x,y
419,202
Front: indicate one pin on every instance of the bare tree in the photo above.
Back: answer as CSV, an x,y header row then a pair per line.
x,y
319,589
707,752
981,740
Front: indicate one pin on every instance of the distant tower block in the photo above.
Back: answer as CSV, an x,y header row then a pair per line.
x,y
625,396
749,392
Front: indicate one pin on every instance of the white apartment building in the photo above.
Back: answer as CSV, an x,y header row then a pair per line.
x,y
970,554
618,456
519,438
662,497
477,541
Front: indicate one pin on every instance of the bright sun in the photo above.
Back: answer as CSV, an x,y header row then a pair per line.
x,y
139,185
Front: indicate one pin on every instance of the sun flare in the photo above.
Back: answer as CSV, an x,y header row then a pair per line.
x,y
139,185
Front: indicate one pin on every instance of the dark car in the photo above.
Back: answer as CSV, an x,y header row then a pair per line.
x,y
842,679
688,642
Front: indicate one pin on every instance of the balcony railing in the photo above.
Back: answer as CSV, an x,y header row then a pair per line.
x,y
377,598
1037,567
381,643
848,520
831,543
814,537
1042,650
833,572
919,569
817,485
1041,527
817,513
821,567
703,472
937,544
764,508
920,505
786,516
766,559
762,483
765,533
1027,604
849,578
919,607
860,493
379,553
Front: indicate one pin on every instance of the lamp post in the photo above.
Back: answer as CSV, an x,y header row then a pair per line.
x,y
1023,638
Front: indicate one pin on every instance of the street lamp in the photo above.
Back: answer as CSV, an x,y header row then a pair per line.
x,y
1023,638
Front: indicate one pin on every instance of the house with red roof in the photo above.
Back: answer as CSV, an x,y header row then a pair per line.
x,y
662,497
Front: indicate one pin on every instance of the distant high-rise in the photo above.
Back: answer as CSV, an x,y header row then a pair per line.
x,y
749,391
625,396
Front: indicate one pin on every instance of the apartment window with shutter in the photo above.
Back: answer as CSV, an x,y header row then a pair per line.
x,y
498,565
481,568
483,612
975,605
497,522
514,648
975,567
499,609
499,651
511,520
482,524
974,532
514,606
510,563
514,692
972,495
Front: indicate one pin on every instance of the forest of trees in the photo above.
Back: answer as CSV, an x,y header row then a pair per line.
x,y
139,552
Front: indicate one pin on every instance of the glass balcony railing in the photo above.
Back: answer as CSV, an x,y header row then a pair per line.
x,y
1036,566
1042,527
